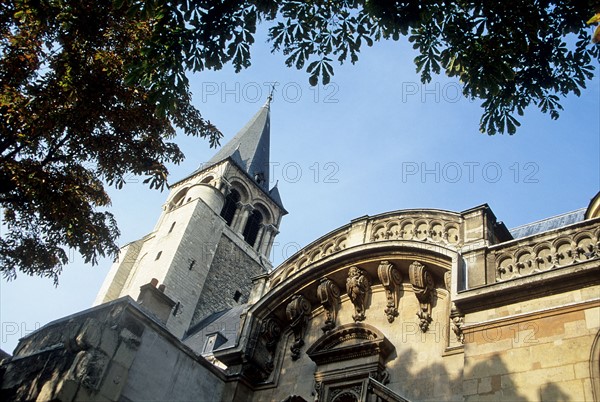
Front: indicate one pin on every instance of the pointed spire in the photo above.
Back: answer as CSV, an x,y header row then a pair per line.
x,y
275,196
250,147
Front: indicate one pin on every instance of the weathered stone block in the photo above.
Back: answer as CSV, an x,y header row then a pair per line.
x,y
125,355
114,381
66,390
109,341
90,334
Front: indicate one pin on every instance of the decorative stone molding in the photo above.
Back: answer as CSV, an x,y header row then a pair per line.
x,y
544,253
423,286
350,341
270,331
297,312
322,250
422,229
357,287
457,318
390,278
329,295
351,392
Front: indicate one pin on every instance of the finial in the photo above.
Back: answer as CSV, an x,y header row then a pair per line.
x,y
270,97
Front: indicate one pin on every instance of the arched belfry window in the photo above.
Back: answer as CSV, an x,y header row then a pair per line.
x,y
230,206
178,199
252,227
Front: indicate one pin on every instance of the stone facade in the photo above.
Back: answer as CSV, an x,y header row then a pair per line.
x,y
225,288
412,305
113,352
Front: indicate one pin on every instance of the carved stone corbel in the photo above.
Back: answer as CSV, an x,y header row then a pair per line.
x,y
357,287
329,294
270,331
423,285
297,312
391,279
458,320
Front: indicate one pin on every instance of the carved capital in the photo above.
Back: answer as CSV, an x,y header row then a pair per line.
x,y
357,287
390,278
245,207
272,229
329,295
297,312
423,285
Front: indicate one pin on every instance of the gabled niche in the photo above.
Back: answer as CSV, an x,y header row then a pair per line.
x,y
348,359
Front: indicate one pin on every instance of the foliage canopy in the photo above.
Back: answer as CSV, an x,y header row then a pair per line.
x,y
92,91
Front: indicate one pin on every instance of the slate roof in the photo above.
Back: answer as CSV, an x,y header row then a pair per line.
x,y
249,150
547,224
274,193
226,322
250,147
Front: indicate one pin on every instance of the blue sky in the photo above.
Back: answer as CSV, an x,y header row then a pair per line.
x,y
374,140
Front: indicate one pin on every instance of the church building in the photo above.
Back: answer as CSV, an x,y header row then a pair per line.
x,y
409,305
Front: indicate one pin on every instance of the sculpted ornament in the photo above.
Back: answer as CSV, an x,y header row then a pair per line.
x,y
329,294
270,330
297,312
423,285
391,279
357,286
458,320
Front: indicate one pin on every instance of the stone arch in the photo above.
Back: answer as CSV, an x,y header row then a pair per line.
x,y
288,272
340,243
275,282
238,185
436,230
178,199
303,263
379,232
253,224
230,206
207,180
315,255
328,248
354,339
453,233
421,229
504,266
584,245
407,227
267,214
543,256
563,245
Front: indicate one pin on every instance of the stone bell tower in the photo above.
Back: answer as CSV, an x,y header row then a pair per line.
x,y
214,234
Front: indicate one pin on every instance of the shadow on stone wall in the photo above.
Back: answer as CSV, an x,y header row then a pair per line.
x,y
486,380
552,393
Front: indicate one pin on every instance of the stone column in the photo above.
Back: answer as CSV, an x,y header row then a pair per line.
x,y
244,213
259,236
236,215
267,241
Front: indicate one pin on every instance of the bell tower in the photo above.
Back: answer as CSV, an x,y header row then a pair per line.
x,y
214,234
